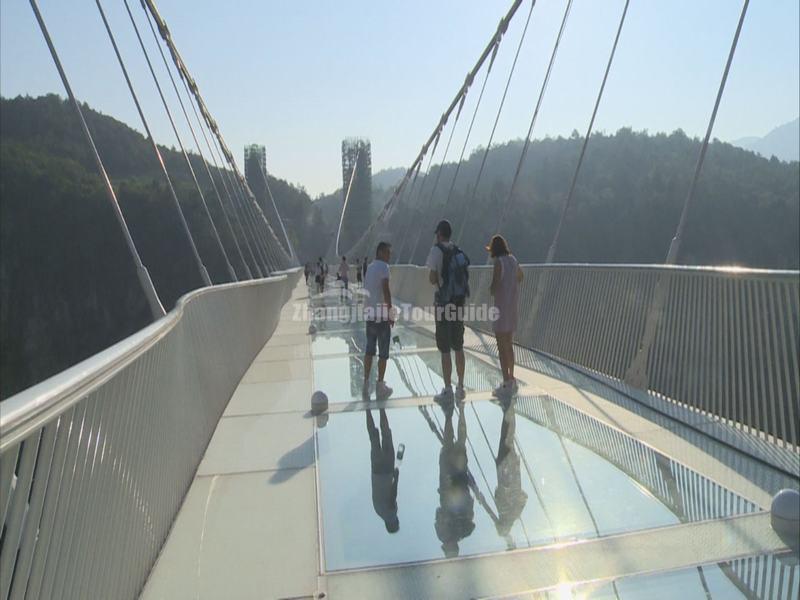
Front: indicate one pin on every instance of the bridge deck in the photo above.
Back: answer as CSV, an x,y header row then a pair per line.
x,y
271,510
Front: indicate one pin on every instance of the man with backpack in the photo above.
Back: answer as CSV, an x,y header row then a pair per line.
x,y
449,274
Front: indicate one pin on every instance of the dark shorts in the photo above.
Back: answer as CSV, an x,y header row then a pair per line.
x,y
378,334
449,331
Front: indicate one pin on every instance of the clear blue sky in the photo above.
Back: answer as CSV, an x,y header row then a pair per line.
x,y
300,76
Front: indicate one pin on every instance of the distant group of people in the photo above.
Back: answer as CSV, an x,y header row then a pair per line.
x,y
320,273
448,267
448,273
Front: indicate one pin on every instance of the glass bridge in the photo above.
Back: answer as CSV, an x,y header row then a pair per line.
x,y
569,490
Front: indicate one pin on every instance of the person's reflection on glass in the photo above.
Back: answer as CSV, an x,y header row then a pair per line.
x,y
384,473
455,515
509,497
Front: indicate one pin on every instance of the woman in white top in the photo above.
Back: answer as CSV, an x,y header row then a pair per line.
x,y
506,277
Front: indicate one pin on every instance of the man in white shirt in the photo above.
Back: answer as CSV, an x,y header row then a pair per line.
x,y
379,317
449,331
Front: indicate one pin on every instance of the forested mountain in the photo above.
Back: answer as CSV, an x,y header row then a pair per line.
x,y
68,288
626,205
67,283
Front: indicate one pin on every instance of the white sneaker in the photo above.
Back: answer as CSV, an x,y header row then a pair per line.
x,y
504,390
382,390
445,396
460,392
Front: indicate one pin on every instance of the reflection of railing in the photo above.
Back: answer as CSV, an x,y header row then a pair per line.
x,y
689,495
725,341
96,460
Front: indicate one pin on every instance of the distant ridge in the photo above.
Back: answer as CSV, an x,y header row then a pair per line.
x,y
782,142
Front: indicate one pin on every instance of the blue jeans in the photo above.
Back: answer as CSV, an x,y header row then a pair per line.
x,y
378,334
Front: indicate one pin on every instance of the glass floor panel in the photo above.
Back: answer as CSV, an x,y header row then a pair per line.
x,y
409,375
774,576
354,340
482,478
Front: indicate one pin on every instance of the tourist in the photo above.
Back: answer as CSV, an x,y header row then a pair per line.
x,y
344,277
379,316
449,274
359,274
506,277
320,276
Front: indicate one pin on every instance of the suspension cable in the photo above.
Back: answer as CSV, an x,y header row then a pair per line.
x,y
431,200
246,217
228,223
471,124
200,266
157,43
465,212
153,301
410,193
526,145
203,203
289,245
551,252
496,37
346,198
230,191
249,221
675,245
417,201
212,153
266,231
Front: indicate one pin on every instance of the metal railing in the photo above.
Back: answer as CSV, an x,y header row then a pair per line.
x,y
95,461
719,341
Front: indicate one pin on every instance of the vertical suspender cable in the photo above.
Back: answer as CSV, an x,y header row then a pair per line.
x,y
471,199
156,308
675,245
526,145
551,252
200,266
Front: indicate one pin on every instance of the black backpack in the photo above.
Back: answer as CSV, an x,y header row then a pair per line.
x,y
454,287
